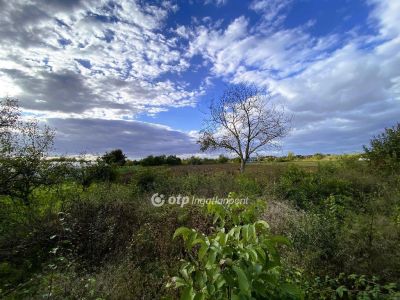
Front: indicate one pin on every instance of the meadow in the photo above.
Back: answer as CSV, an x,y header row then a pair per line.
x,y
103,239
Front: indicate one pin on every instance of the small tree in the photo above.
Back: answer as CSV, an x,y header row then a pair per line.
x,y
115,157
243,121
24,147
89,172
384,150
290,156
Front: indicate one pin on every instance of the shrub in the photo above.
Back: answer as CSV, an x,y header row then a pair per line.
x,y
114,157
151,160
222,159
384,150
236,262
172,160
351,287
88,173
307,189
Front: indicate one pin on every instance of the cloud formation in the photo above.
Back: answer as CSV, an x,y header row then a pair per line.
x,y
97,58
341,88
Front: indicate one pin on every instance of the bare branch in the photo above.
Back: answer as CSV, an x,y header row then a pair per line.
x,y
244,121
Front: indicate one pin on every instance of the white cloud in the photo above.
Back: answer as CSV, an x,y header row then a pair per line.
x,y
90,58
386,13
216,2
347,90
271,10
276,54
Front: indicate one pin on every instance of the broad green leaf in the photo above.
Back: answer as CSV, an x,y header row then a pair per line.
x,y
292,290
340,290
252,232
183,231
242,279
187,294
261,224
178,282
184,274
211,258
202,251
200,296
245,232
199,240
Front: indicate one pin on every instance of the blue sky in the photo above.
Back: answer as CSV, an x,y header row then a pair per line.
x,y
139,75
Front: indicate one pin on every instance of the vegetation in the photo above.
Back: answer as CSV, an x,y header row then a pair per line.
x,y
384,151
239,260
115,157
312,229
151,160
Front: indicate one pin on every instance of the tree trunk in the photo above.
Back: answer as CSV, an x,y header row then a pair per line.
x,y
242,165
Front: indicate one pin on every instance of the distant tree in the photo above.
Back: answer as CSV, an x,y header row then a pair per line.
x,y
90,172
193,160
152,160
291,156
24,147
172,160
318,156
160,160
243,121
384,150
114,157
222,159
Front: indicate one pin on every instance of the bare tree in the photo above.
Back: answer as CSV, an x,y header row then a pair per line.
x,y
244,121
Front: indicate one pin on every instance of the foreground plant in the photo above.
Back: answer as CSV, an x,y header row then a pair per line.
x,y
240,262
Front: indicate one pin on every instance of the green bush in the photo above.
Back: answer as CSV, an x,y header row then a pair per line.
x,y
236,262
384,150
307,189
351,287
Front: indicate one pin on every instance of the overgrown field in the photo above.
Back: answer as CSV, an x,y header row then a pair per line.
x,y
105,240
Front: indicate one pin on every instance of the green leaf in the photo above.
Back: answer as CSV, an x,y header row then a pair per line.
x,y
223,238
183,231
191,238
245,232
261,224
242,279
340,290
184,274
211,258
200,296
196,241
203,251
187,294
292,290
253,254
178,282
252,232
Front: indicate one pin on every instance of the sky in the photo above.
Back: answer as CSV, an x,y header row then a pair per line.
x,y
139,75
